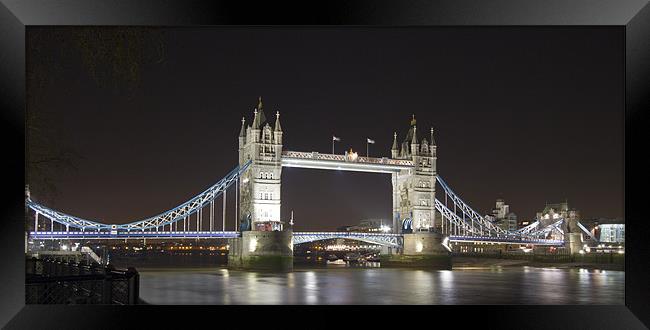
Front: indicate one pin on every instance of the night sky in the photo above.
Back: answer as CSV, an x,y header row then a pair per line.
x,y
531,115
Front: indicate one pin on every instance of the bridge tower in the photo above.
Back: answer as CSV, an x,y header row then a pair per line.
x,y
264,244
414,189
260,186
413,205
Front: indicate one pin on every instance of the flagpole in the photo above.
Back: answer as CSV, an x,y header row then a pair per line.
x,y
334,139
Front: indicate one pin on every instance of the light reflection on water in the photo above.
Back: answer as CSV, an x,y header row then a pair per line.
x,y
495,285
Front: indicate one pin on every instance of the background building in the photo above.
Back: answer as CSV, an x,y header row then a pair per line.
x,y
611,233
368,226
502,216
606,230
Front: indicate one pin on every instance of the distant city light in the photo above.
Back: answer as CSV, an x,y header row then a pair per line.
x,y
385,228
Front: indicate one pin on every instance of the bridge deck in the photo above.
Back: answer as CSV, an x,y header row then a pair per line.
x,y
298,237
317,160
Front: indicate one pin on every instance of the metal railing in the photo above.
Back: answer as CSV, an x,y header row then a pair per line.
x,y
49,281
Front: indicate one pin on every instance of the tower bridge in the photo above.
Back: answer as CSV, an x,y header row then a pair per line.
x,y
422,225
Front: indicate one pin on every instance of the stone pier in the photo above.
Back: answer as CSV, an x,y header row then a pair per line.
x,y
575,242
421,250
262,250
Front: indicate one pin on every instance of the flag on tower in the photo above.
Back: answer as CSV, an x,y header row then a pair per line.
x,y
334,138
371,141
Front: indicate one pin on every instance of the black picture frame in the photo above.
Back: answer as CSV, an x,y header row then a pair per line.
x,y
632,16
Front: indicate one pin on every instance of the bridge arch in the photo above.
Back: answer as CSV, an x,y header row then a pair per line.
x,y
388,240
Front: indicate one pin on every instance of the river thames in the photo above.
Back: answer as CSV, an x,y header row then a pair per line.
x,y
339,284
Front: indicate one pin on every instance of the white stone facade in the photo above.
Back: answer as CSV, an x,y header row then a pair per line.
x,y
414,189
260,186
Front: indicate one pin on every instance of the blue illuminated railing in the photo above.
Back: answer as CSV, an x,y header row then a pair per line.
x,y
131,234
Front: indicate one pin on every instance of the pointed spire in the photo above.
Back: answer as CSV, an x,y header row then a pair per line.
x,y
278,128
260,108
433,140
411,136
256,119
415,134
242,131
394,147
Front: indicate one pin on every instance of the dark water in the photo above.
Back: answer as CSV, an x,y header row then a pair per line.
x,y
343,285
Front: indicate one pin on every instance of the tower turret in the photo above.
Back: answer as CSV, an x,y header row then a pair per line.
x,y
433,147
256,120
260,118
393,150
414,141
242,133
277,132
